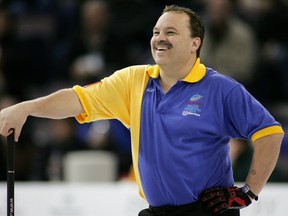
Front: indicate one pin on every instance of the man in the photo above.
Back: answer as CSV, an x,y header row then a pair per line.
x,y
181,116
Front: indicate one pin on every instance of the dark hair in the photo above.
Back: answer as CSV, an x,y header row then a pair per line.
x,y
196,24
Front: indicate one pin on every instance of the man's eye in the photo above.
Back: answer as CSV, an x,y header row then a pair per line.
x,y
155,33
170,33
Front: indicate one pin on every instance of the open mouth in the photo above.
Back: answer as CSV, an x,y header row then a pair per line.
x,y
162,46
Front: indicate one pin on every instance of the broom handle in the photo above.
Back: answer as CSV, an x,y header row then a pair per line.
x,y
10,174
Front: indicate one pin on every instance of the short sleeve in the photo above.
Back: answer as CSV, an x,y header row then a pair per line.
x,y
246,117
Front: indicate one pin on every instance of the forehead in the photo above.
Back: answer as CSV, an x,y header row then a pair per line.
x,y
178,20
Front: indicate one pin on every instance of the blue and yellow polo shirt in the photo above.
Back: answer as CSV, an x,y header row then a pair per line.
x,y
179,139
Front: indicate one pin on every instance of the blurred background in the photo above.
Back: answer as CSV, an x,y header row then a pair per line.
x,y
46,45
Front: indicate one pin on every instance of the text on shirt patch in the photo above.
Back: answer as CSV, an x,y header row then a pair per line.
x,y
193,106
150,90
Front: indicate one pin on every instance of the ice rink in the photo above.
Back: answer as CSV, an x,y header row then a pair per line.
x,y
110,199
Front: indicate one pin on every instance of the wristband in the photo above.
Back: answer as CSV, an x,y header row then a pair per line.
x,y
246,189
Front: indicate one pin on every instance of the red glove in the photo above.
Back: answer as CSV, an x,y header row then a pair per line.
x,y
219,199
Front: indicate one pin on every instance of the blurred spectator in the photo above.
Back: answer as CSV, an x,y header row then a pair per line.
x,y
133,22
120,139
269,19
7,43
108,135
4,32
53,139
91,57
91,51
23,56
66,20
229,44
271,81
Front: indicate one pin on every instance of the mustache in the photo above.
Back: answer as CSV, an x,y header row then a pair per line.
x,y
163,43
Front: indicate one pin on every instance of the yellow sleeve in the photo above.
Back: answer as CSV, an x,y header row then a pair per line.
x,y
107,99
267,131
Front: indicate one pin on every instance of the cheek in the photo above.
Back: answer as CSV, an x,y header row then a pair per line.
x,y
187,48
151,47
152,41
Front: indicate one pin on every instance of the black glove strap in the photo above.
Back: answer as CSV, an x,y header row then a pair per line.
x,y
252,195
246,189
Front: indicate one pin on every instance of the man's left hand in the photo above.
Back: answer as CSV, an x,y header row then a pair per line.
x,y
219,199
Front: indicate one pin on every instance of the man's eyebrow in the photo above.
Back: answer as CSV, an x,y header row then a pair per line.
x,y
155,28
167,28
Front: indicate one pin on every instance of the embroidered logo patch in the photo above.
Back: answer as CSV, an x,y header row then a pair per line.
x,y
193,106
150,90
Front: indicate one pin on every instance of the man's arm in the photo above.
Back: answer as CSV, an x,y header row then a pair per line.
x,y
61,104
265,156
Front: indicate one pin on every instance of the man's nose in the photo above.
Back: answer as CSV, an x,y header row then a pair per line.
x,y
161,37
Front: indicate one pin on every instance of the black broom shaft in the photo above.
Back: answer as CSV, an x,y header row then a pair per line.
x,y
10,174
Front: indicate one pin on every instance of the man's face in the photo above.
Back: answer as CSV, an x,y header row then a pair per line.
x,y
171,42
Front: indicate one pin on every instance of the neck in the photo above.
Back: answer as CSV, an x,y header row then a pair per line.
x,y
166,83
170,75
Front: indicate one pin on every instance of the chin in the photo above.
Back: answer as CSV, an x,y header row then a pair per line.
x,y
159,60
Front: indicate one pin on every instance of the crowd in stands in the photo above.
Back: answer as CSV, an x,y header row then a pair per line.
x,y
46,45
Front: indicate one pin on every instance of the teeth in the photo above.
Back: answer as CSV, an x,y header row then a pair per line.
x,y
162,49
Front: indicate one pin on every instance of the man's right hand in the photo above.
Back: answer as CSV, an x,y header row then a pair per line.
x,y
12,117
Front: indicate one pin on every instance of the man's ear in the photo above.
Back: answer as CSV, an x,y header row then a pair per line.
x,y
196,43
